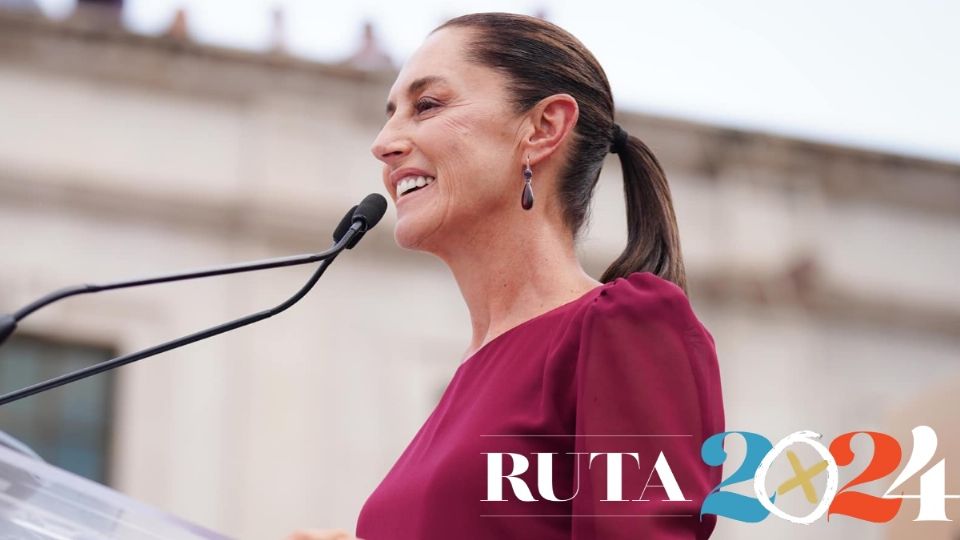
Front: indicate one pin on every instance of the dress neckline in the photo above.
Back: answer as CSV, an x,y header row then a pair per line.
x,y
535,318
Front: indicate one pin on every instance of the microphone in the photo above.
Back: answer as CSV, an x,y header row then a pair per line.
x,y
344,224
357,221
373,207
368,212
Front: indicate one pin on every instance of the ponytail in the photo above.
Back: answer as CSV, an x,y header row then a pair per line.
x,y
653,241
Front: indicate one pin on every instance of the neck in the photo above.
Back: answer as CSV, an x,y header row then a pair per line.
x,y
506,279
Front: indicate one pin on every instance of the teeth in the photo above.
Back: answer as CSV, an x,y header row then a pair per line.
x,y
411,182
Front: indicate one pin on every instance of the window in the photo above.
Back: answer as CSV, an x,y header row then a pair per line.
x,y
69,426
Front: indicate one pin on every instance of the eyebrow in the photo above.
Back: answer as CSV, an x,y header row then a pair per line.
x,y
415,87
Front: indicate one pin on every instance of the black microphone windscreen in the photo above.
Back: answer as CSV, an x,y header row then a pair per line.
x,y
344,224
371,209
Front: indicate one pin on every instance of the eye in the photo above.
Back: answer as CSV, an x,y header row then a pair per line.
x,y
424,105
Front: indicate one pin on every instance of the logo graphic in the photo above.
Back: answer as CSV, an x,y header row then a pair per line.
x,y
760,455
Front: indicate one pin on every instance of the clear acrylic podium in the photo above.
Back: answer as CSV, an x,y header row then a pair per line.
x,y
39,501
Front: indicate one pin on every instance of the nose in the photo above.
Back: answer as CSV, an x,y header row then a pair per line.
x,y
390,145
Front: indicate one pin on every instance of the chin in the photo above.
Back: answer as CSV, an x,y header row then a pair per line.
x,y
420,225
404,239
412,233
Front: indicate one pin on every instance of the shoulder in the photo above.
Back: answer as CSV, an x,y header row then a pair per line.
x,y
641,337
643,306
641,296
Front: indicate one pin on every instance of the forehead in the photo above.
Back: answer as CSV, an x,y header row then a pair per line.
x,y
440,60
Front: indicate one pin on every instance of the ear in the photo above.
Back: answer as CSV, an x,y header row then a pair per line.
x,y
553,119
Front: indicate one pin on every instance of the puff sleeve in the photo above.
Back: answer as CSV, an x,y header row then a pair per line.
x,y
647,382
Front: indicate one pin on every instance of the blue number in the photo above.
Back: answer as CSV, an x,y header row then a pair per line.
x,y
734,505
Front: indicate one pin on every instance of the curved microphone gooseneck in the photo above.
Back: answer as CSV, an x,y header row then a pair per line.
x,y
352,227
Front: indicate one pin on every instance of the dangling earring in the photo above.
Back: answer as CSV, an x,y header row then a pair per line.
x,y
526,199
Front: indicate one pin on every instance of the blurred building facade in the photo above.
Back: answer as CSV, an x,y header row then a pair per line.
x,y
827,275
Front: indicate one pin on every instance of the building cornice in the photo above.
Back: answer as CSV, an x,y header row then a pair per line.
x,y
299,231
706,152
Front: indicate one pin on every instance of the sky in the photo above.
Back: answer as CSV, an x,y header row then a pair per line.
x,y
876,74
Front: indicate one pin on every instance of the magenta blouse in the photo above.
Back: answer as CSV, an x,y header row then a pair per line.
x,y
625,370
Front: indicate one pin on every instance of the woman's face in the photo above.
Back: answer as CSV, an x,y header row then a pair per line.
x,y
449,120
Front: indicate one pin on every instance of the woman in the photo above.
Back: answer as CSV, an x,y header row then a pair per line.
x,y
496,133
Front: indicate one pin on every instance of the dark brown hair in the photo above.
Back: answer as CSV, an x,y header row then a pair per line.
x,y
540,59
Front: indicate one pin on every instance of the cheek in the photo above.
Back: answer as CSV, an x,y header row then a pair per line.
x,y
474,157
454,139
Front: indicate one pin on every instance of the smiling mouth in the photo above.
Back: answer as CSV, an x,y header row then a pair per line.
x,y
413,183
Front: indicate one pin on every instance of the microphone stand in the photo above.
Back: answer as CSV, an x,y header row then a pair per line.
x,y
348,235
75,290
